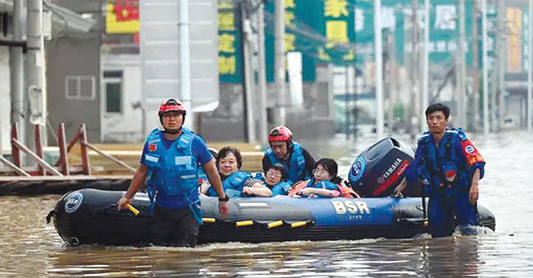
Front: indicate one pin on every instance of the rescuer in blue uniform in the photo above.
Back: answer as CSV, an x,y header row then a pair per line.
x,y
451,167
170,163
284,150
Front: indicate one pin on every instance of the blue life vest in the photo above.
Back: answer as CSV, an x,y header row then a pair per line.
x,y
173,171
296,167
282,188
232,185
445,167
325,184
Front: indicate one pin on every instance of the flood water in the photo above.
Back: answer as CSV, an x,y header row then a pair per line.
x,y
31,248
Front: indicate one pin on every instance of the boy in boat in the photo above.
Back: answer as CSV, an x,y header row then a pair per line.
x,y
170,159
284,150
451,168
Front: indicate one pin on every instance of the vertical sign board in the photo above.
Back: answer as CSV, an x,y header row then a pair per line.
x,y
160,59
229,49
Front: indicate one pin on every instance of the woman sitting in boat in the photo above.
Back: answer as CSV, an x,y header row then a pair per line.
x,y
276,179
325,183
236,183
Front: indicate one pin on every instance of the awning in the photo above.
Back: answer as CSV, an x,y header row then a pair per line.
x,y
68,19
62,18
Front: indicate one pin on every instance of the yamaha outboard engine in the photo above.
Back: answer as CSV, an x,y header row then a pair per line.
x,y
381,167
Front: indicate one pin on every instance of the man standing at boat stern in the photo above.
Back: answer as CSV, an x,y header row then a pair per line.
x,y
169,163
451,168
297,160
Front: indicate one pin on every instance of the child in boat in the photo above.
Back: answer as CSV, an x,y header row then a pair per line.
x,y
236,183
276,179
325,182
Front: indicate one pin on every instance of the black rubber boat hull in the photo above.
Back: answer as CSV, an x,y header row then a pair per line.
x,y
90,216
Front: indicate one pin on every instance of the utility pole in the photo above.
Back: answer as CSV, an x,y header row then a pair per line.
x,y
392,79
185,62
461,70
485,69
247,72
36,70
475,65
425,66
279,62
16,60
379,69
414,111
263,122
530,64
502,26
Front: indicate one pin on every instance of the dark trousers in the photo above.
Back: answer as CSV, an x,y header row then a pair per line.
x,y
447,212
174,227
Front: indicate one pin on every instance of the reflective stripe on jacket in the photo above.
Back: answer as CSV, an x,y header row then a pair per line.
x,y
174,170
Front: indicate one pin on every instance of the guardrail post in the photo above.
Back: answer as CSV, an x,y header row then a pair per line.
x,y
63,155
83,150
39,148
15,153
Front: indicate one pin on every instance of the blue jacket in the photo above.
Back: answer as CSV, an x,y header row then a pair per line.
x,y
282,188
173,172
296,167
448,168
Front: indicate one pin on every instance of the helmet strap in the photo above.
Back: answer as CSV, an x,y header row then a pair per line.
x,y
171,131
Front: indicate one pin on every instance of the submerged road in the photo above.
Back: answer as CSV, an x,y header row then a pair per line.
x,y
32,248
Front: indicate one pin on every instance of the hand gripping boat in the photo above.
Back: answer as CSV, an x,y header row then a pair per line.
x,y
90,216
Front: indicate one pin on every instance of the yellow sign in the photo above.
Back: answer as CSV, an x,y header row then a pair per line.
x,y
122,17
227,65
336,8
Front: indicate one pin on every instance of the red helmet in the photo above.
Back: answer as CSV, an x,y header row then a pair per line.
x,y
280,133
172,105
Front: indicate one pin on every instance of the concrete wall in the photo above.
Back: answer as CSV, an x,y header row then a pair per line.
x,y
313,120
126,126
73,56
5,99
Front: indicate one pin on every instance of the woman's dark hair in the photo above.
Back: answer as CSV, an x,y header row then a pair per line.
x,y
438,107
225,151
331,166
281,168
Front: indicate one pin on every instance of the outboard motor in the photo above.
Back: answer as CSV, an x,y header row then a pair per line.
x,y
381,167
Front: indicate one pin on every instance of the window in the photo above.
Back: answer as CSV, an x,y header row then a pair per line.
x,y
113,91
79,87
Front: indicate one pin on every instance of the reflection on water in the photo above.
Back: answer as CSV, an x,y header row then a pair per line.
x,y
31,248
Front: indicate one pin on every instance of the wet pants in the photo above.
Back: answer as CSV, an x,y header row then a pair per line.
x,y
174,227
445,212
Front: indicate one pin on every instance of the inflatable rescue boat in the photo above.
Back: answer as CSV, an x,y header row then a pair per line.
x,y
90,216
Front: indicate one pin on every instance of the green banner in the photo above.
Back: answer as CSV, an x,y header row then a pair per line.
x,y
229,47
342,32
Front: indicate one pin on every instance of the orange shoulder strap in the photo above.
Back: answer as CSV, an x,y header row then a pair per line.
x,y
297,187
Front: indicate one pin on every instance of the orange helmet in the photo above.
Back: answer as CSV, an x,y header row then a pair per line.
x,y
172,105
280,133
